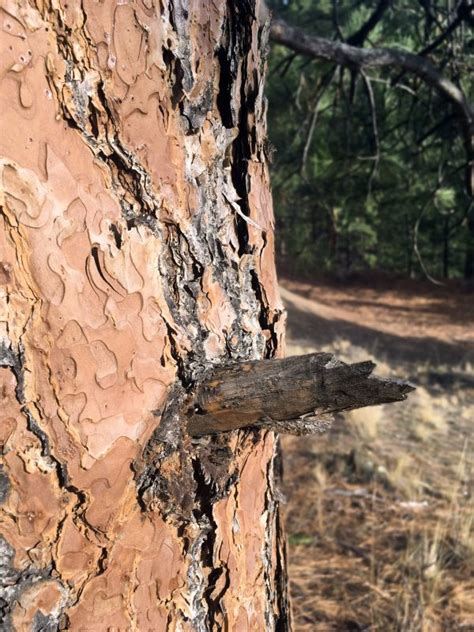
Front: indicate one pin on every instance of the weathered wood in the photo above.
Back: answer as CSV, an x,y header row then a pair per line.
x,y
297,394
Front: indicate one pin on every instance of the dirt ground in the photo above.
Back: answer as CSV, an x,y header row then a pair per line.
x,y
380,510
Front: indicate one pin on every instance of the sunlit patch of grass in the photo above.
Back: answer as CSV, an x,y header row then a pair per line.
x,y
462,603
366,422
428,414
406,476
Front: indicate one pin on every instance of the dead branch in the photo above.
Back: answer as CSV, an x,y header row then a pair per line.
x,y
375,129
324,85
298,395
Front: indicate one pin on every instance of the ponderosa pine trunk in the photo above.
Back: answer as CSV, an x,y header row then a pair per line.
x,y
136,254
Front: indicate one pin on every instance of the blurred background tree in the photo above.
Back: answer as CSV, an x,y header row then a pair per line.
x,y
370,165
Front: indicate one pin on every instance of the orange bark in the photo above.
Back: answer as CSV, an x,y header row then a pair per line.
x,y
136,252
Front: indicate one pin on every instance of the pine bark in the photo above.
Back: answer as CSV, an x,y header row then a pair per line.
x,y
136,237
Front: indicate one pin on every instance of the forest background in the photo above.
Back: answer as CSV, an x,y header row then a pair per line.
x,y
369,170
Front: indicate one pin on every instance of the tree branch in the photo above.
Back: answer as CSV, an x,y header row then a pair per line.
x,y
358,38
335,20
443,36
463,14
296,395
347,55
375,129
324,84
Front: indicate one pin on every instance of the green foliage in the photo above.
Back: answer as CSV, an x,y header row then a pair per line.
x,y
300,539
351,182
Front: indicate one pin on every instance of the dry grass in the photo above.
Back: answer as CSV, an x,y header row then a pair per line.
x,y
380,511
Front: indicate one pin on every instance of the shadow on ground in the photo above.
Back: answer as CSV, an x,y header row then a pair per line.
x,y
311,323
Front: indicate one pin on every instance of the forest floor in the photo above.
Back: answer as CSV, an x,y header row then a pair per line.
x,y
380,510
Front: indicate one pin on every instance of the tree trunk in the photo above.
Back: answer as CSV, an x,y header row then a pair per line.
x,y
137,254
469,253
446,249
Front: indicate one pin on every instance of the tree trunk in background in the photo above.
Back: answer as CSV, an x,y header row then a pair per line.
x,y
446,249
469,255
137,252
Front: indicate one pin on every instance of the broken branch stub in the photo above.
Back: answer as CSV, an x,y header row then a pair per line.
x,y
298,394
